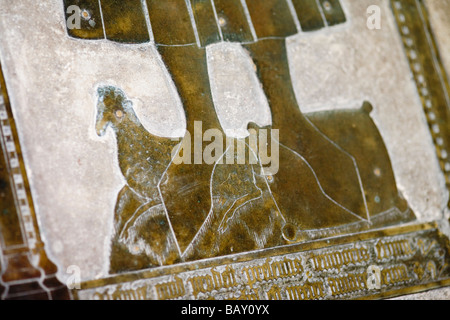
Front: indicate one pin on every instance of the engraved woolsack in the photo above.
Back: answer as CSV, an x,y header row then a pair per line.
x,y
224,149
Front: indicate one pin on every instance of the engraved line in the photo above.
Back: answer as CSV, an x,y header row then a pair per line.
x,y
195,43
294,15
176,45
320,186
162,198
147,20
194,25
225,214
265,180
249,20
328,231
263,38
131,218
211,210
101,17
217,19
319,5
246,202
354,163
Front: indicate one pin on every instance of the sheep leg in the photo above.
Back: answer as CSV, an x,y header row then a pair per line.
x,y
123,235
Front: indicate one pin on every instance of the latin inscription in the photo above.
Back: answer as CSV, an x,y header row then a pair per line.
x,y
337,259
347,271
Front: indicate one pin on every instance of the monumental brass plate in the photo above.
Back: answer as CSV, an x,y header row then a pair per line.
x,y
223,149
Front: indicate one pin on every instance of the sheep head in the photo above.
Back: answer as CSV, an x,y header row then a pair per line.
x,y
112,108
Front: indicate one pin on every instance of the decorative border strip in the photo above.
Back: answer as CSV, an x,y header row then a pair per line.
x,y
427,91
20,194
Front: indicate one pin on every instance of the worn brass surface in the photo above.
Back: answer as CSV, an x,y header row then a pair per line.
x,y
333,12
124,21
91,23
334,178
309,14
206,22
